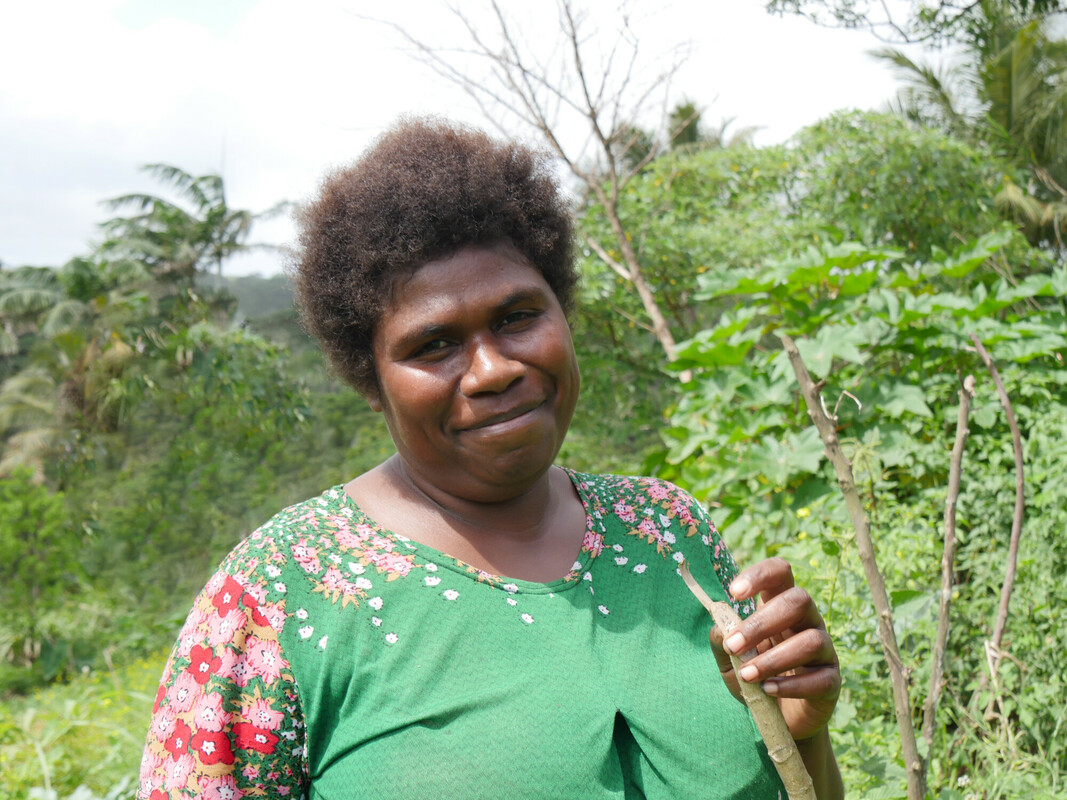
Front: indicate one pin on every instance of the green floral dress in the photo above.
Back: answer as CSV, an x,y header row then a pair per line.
x,y
331,658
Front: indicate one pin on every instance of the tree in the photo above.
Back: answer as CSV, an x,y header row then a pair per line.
x,y
944,19
1007,96
179,242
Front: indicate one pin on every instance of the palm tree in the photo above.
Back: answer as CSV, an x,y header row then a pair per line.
x,y
179,242
1011,96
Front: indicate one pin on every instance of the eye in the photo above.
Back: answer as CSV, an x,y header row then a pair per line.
x,y
434,347
516,319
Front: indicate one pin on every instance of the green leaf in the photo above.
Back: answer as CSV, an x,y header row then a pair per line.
x,y
897,399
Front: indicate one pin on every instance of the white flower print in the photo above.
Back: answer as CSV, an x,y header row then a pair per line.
x,y
664,520
335,558
640,568
432,580
376,622
364,584
512,601
272,570
450,594
527,618
375,603
587,576
431,568
678,557
621,561
668,537
603,610
617,548
356,567
306,631
510,588
391,638
704,538
577,565
301,613
280,587
322,642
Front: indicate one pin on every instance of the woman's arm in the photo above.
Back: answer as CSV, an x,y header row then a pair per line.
x,y
796,663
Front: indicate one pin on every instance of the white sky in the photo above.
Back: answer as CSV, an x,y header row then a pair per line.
x,y
271,93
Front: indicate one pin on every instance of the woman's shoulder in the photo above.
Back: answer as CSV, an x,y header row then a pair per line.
x,y
636,490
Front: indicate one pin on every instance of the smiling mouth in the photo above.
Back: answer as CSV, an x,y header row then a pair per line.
x,y
505,417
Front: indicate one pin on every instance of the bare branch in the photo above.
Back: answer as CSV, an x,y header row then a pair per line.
x,y
1017,518
948,557
862,525
604,256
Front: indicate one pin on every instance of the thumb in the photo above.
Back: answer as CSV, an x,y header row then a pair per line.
x,y
726,667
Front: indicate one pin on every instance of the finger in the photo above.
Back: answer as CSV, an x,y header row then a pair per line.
x,y
766,578
776,620
810,648
819,683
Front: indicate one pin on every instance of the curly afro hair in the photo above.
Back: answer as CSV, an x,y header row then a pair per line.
x,y
425,189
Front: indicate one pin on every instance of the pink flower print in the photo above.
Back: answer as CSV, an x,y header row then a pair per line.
x,y
219,788
335,581
183,692
392,563
260,714
624,512
234,666
264,659
163,726
224,628
658,491
251,771
381,543
209,715
178,770
593,543
348,540
274,613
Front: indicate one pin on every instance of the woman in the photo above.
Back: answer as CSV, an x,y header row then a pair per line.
x,y
366,643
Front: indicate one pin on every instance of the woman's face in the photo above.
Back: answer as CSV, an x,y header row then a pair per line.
x,y
477,376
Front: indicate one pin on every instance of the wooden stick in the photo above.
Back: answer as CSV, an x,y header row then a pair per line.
x,y
765,711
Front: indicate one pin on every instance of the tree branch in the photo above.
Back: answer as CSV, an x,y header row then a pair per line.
x,y
993,652
862,526
948,558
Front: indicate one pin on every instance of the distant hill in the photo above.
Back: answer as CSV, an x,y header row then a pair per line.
x,y
257,297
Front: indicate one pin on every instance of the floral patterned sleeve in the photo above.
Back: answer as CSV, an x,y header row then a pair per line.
x,y
723,562
227,722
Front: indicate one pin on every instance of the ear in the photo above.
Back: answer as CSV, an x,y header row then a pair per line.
x,y
374,400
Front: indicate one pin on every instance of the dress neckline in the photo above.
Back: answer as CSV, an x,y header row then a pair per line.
x,y
440,559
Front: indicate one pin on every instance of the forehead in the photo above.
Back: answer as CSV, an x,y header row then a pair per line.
x,y
469,280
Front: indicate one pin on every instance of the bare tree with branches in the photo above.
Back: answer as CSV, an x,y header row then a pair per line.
x,y
583,86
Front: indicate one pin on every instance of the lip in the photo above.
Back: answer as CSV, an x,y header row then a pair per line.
x,y
502,419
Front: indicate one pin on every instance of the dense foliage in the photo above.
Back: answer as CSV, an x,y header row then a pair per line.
x,y
149,420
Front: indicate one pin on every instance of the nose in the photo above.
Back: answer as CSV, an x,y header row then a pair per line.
x,y
489,369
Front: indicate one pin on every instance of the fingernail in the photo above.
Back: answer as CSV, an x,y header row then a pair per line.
x,y
740,588
770,687
749,673
735,643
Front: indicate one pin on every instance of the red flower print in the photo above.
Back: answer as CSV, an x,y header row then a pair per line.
x,y
213,747
158,794
250,603
203,663
226,599
178,743
249,737
161,692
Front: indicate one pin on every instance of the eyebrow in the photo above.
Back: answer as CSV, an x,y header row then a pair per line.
x,y
434,330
